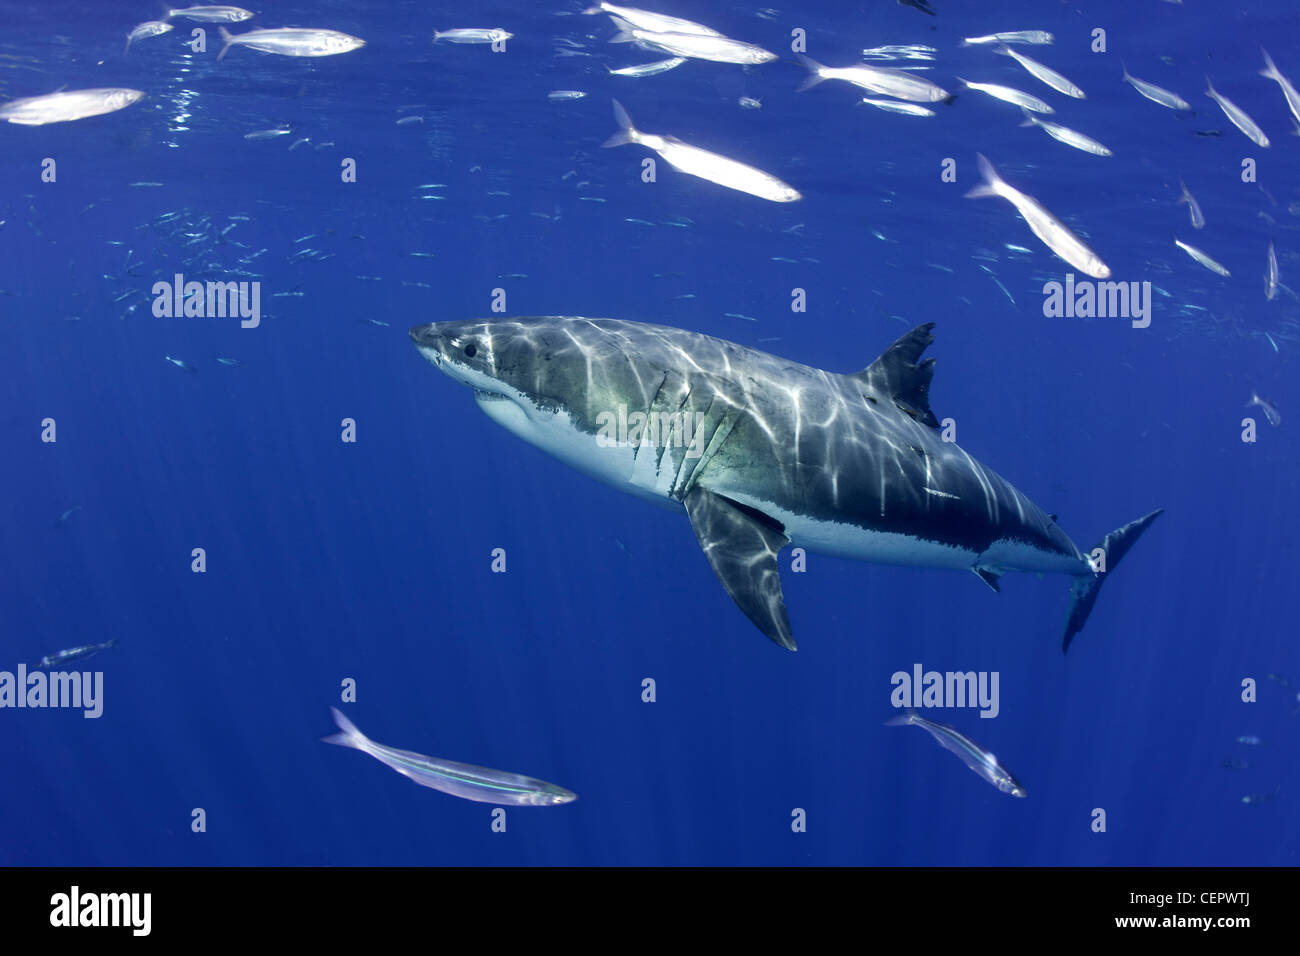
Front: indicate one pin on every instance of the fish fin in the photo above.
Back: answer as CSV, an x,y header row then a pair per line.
x,y
1083,592
226,40
908,716
989,577
1127,75
349,735
814,73
624,34
1002,48
742,547
627,133
898,374
1209,87
1270,70
991,180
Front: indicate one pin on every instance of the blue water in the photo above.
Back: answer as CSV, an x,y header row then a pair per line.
x,y
370,561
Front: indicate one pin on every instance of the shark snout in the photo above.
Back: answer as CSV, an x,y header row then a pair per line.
x,y
425,336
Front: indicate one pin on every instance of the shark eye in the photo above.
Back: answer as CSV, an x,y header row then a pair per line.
x,y
471,350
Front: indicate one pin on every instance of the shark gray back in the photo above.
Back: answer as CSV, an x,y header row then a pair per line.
x,y
762,452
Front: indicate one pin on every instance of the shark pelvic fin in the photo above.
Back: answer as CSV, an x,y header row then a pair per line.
x,y
899,375
742,548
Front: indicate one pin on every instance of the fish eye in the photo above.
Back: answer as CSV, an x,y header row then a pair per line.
x,y
471,350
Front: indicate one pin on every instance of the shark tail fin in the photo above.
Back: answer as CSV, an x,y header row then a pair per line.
x,y
1083,593
627,133
349,735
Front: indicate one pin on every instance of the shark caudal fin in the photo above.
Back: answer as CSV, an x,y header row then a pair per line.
x,y
1083,593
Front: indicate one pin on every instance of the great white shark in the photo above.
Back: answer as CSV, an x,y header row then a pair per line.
x,y
762,452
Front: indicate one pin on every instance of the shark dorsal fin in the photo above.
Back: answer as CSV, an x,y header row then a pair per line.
x,y
898,374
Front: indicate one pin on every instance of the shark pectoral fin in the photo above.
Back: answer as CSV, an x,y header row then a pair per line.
x,y
988,577
742,550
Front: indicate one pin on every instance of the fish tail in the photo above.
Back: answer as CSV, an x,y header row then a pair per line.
x,y
349,735
908,716
1124,66
1209,87
627,133
624,34
1270,70
991,180
814,73
226,40
1030,119
1083,593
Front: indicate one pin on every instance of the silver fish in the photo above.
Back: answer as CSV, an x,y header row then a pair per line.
x,y
702,163
1049,76
654,22
900,84
472,35
1292,97
267,133
1274,418
1031,37
1202,258
1156,94
1270,286
1053,233
979,760
1262,797
181,363
649,69
1067,136
292,41
749,103
150,28
1237,115
560,96
694,46
896,106
1008,94
67,105
1193,207
458,779
72,654
212,14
